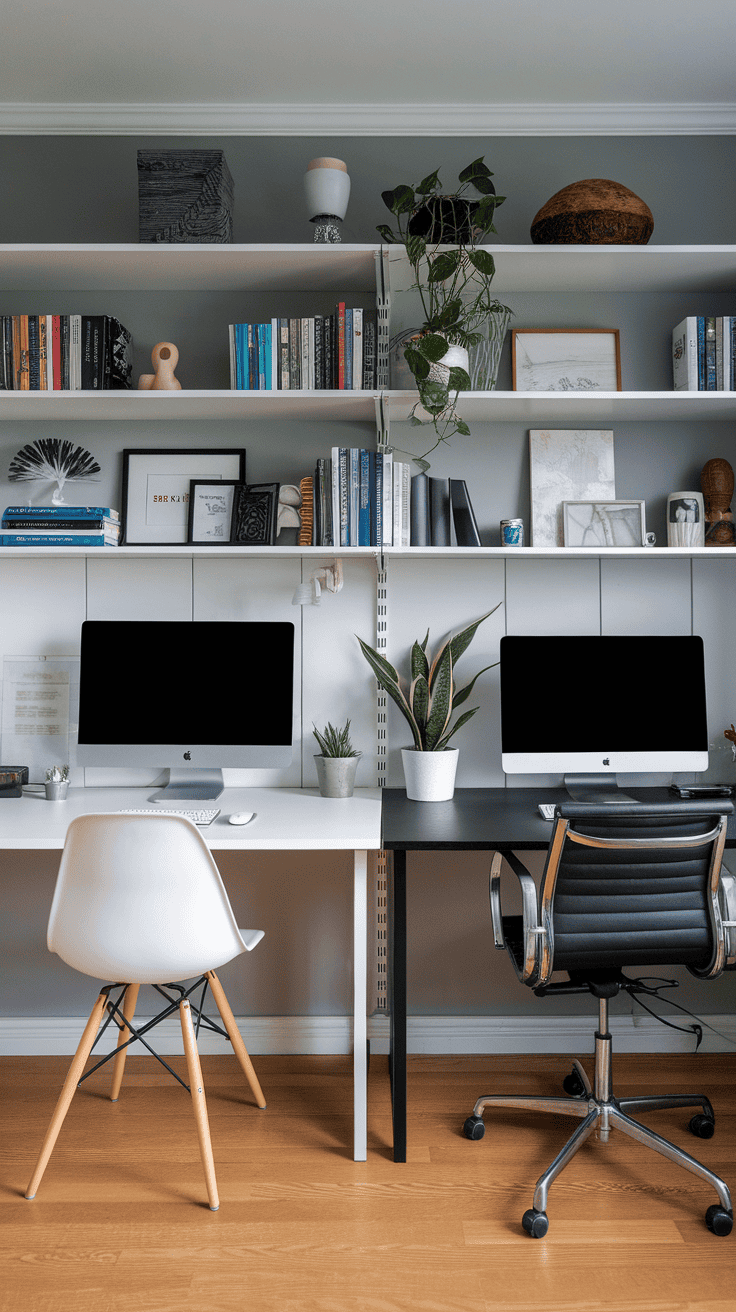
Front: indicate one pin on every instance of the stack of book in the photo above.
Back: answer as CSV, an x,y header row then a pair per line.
x,y
60,526
328,352
64,353
704,354
366,498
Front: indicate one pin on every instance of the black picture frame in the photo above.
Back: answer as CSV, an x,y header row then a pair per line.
x,y
255,511
175,467
222,524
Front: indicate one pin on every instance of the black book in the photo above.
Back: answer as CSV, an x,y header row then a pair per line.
x,y
6,353
420,536
119,357
319,371
466,529
34,354
439,512
94,334
64,343
369,352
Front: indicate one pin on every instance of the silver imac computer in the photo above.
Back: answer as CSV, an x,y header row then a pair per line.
x,y
590,708
189,696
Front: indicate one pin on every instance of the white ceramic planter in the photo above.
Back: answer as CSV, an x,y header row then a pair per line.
x,y
326,188
336,775
429,776
455,357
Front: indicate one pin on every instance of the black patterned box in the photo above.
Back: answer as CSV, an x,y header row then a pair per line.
x,y
184,196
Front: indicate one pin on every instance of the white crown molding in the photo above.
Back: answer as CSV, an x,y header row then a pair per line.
x,y
366,120
45,1036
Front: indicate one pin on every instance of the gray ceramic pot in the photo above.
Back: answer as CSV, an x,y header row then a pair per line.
x,y
336,775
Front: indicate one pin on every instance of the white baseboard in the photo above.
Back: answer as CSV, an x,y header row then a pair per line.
x,y
59,1035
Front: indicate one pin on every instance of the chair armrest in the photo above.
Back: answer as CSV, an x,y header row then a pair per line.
x,y
531,930
727,904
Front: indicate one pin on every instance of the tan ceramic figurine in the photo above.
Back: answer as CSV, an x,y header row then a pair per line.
x,y
716,480
164,358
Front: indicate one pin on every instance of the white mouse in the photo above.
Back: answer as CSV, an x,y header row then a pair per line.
x,y
241,817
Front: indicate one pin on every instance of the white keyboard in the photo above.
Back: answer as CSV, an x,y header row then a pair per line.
x,y
200,818
547,810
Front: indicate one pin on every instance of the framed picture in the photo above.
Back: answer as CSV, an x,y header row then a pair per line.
x,y
210,515
604,523
156,489
567,464
565,360
255,512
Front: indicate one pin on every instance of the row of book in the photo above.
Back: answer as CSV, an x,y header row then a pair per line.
x,y
367,498
704,354
64,353
328,352
59,526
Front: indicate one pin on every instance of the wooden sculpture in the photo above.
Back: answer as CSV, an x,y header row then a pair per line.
x,y
717,483
164,358
306,487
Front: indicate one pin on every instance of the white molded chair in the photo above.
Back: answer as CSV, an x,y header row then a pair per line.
x,y
139,900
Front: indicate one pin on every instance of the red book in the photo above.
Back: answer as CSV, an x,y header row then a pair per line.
x,y
56,350
341,344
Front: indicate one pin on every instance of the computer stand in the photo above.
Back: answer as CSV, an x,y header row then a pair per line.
x,y
193,785
598,788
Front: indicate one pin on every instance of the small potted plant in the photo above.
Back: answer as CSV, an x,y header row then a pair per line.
x,y
454,287
336,762
57,783
428,701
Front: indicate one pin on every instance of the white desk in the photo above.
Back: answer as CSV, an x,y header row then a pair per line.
x,y
287,819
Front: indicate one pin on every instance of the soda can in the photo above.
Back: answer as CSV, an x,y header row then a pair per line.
x,y
512,532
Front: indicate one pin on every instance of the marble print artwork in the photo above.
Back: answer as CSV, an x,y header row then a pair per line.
x,y
573,464
566,362
604,524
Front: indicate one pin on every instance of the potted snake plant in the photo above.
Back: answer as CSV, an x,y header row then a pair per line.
x,y
454,287
428,699
336,762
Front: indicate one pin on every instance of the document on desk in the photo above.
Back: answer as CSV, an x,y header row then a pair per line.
x,y
40,712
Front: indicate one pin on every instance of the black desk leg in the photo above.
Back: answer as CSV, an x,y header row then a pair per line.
x,y
397,1058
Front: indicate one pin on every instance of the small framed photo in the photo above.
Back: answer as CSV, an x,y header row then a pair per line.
x,y
156,486
566,360
211,512
255,513
604,523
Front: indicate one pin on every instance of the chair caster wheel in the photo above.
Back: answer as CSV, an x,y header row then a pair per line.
x,y
719,1220
535,1223
573,1085
474,1127
703,1127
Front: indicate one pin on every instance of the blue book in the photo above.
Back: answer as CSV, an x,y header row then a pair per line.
x,y
56,540
239,356
268,352
701,353
60,512
364,508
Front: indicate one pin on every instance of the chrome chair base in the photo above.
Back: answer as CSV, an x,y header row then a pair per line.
x,y
597,1109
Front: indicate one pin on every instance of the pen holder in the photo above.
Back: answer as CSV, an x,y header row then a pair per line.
x,y
56,791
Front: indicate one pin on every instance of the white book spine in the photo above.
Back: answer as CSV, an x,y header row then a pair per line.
x,y
310,355
358,350
388,499
233,365
336,496
685,355
49,352
727,352
354,496
405,505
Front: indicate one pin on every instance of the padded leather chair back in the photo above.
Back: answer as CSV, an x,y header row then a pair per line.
x,y
635,904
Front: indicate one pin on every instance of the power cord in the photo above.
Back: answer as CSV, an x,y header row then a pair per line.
x,y
637,986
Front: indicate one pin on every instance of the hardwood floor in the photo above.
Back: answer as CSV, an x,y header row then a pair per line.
x,y
121,1223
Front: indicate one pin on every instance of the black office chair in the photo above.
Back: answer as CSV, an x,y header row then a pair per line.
x,y
623,885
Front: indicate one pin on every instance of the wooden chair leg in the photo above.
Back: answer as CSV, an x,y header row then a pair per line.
x,y
199,1102
76,1070
239,1048
118,1066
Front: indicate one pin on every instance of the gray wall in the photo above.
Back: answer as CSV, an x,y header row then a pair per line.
x,y
85,190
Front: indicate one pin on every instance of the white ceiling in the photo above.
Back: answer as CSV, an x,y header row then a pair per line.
x,y
301,65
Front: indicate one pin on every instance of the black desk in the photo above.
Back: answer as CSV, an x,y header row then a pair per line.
x,y
501,819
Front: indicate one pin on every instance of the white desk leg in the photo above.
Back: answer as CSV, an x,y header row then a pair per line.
x,y
360,1006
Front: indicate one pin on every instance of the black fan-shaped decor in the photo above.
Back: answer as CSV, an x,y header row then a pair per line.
x,y
51,460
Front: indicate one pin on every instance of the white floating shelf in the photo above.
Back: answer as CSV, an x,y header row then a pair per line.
x,y
550,409
188,551
153,407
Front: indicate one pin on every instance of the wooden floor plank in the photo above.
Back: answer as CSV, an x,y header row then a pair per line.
x,y
121,1222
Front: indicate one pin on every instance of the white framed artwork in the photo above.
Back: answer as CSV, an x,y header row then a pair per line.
x,y
599,524
567,464
565,360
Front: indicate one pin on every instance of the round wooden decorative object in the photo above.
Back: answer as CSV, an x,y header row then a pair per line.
x,y
716,480
593,212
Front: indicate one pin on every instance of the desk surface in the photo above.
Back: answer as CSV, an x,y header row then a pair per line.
x,y
287,819
479,818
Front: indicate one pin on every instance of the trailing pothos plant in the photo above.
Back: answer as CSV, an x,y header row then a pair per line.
x,y
454,285
431,698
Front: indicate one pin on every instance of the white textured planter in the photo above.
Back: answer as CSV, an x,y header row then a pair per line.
x,y
326,188
455,357
429,776
336,775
